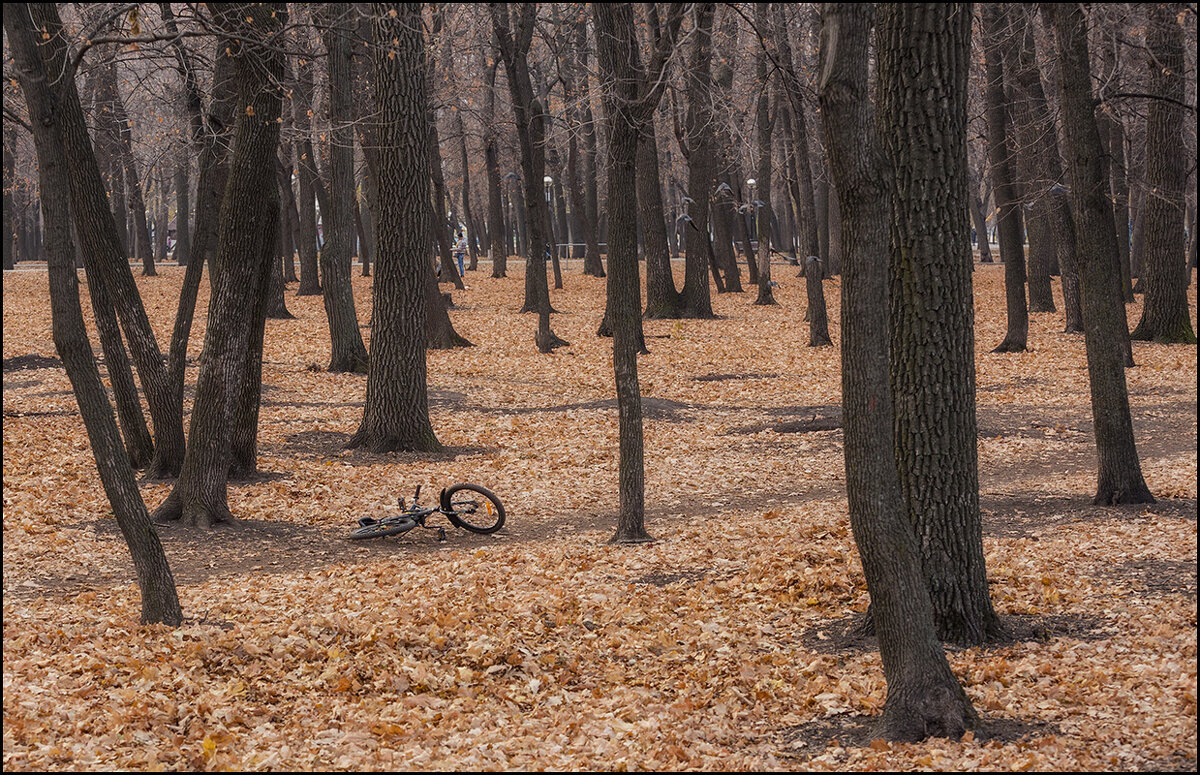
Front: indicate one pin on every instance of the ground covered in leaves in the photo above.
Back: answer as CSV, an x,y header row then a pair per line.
x,y
721,646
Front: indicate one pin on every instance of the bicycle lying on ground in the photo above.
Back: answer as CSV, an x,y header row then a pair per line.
x,y
468,506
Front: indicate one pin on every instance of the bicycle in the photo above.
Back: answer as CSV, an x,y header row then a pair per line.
x,y
469,506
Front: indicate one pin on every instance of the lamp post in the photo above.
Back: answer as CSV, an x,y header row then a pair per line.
x,y
548,182
751,185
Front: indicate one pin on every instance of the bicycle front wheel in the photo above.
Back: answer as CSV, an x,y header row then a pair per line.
x,y
473,508
387,527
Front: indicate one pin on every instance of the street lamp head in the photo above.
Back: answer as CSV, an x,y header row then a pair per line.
x,y
750,181
548,180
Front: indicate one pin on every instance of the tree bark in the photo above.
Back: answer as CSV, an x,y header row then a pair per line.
x,y
630,98
531,129
1165,314
1120,472
396,410
159,600
306,174
347,351
101,249
922,52
699,143
806,210
997,36
228,379
924,698
761,195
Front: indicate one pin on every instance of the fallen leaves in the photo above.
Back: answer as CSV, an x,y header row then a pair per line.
x,y
544,647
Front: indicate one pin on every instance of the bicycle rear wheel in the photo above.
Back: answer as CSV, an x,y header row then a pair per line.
x,y
384,527
473,508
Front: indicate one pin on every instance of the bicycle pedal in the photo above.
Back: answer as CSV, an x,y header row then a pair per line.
x,y
441,534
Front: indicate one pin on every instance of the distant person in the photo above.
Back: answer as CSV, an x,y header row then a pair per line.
x,y
460,247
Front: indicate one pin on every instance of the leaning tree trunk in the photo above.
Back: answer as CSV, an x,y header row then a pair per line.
x,y
210,138
102,253
1120,472
1165,316
922,52
160,602
924,698
245,252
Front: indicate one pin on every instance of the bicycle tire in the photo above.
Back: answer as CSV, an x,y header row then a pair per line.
x,y
483,514
387,527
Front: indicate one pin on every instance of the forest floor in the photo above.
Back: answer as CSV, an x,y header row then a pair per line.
x,y
721,646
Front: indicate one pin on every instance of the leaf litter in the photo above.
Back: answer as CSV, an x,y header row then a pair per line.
x,y
544,647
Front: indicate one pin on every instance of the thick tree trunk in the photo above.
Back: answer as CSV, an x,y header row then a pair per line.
x,y
924,698
922,52
396,410
245,252
1120,472
1165,315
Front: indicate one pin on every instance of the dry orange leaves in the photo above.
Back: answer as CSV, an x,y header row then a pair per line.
x,y
545,648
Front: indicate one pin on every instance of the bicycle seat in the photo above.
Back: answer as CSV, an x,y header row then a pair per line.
x,y
366,521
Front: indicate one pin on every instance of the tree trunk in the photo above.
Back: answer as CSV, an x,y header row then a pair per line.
x,y
924,698
1165,315
764,124
997,35
497,229
160,603
210,142
628,105
700,141
245,253
977,218
1120,472
306,175
806,210
103,254
531,128
922,52
396,410
348,353
662,299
